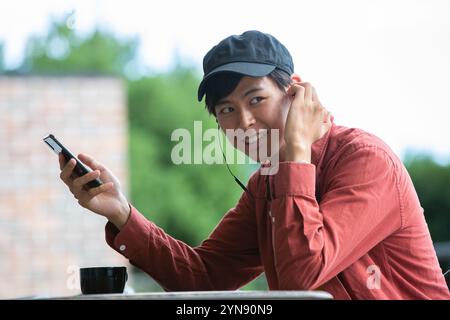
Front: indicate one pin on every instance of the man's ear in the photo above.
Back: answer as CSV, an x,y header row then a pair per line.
x,y
296,78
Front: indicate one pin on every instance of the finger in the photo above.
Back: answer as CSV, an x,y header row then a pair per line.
x,y
91,162
325,114
78,183
62,161
297,92
308,91
96,191
314,95
294,88
67,171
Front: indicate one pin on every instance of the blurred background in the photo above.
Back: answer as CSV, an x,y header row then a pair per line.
x,y
115,78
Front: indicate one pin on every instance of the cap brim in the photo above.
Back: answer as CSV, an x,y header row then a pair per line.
x,y
245,68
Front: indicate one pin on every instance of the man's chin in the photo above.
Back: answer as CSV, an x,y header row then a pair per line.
x,y
263,158
254,154
261,155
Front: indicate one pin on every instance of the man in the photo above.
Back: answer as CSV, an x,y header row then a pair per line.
x,y
340,214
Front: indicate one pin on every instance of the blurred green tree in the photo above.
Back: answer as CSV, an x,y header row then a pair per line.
x,y
62,50
432,183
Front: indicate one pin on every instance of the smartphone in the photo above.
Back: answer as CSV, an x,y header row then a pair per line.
x,y
80,169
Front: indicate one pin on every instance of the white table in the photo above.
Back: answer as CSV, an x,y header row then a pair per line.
x,y
207,295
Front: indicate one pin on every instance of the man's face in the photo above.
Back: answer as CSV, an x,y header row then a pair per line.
x,y
254,105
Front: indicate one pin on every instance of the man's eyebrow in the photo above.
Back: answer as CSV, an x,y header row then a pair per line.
x,y
249,91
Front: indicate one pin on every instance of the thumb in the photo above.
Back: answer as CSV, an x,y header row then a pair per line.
x,y
292,89
91,162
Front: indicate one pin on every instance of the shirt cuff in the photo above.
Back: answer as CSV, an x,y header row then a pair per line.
x,y
294,178
133,238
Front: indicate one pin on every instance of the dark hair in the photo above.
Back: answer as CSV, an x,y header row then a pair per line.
x,y
222,84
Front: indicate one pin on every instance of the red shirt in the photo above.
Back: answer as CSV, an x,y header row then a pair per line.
x,y
350,223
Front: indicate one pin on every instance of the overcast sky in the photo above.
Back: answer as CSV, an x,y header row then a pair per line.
x,y
382,66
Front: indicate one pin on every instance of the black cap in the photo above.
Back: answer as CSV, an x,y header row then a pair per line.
x,y
252,53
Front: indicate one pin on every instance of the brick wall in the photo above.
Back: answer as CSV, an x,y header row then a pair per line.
x,y
43,230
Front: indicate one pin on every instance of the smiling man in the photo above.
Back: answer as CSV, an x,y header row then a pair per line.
x,y
340,214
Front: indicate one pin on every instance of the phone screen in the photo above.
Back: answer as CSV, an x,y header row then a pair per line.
x,y
80,169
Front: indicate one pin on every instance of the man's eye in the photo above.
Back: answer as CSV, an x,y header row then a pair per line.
x,y
255,100
226,110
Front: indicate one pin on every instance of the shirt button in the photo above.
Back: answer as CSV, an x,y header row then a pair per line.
x,y
122,247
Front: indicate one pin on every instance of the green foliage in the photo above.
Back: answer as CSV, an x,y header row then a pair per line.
x,y
432,183
61,50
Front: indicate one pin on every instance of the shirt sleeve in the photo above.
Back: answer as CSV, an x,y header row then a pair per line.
x,y
227,260
360,207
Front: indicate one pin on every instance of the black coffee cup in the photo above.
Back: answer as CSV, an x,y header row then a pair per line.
x,y
103,280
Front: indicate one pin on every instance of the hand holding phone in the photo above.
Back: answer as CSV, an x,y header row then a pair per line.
x,y
80,169
82,176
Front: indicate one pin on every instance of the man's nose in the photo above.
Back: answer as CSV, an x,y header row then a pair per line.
x,y
246,119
